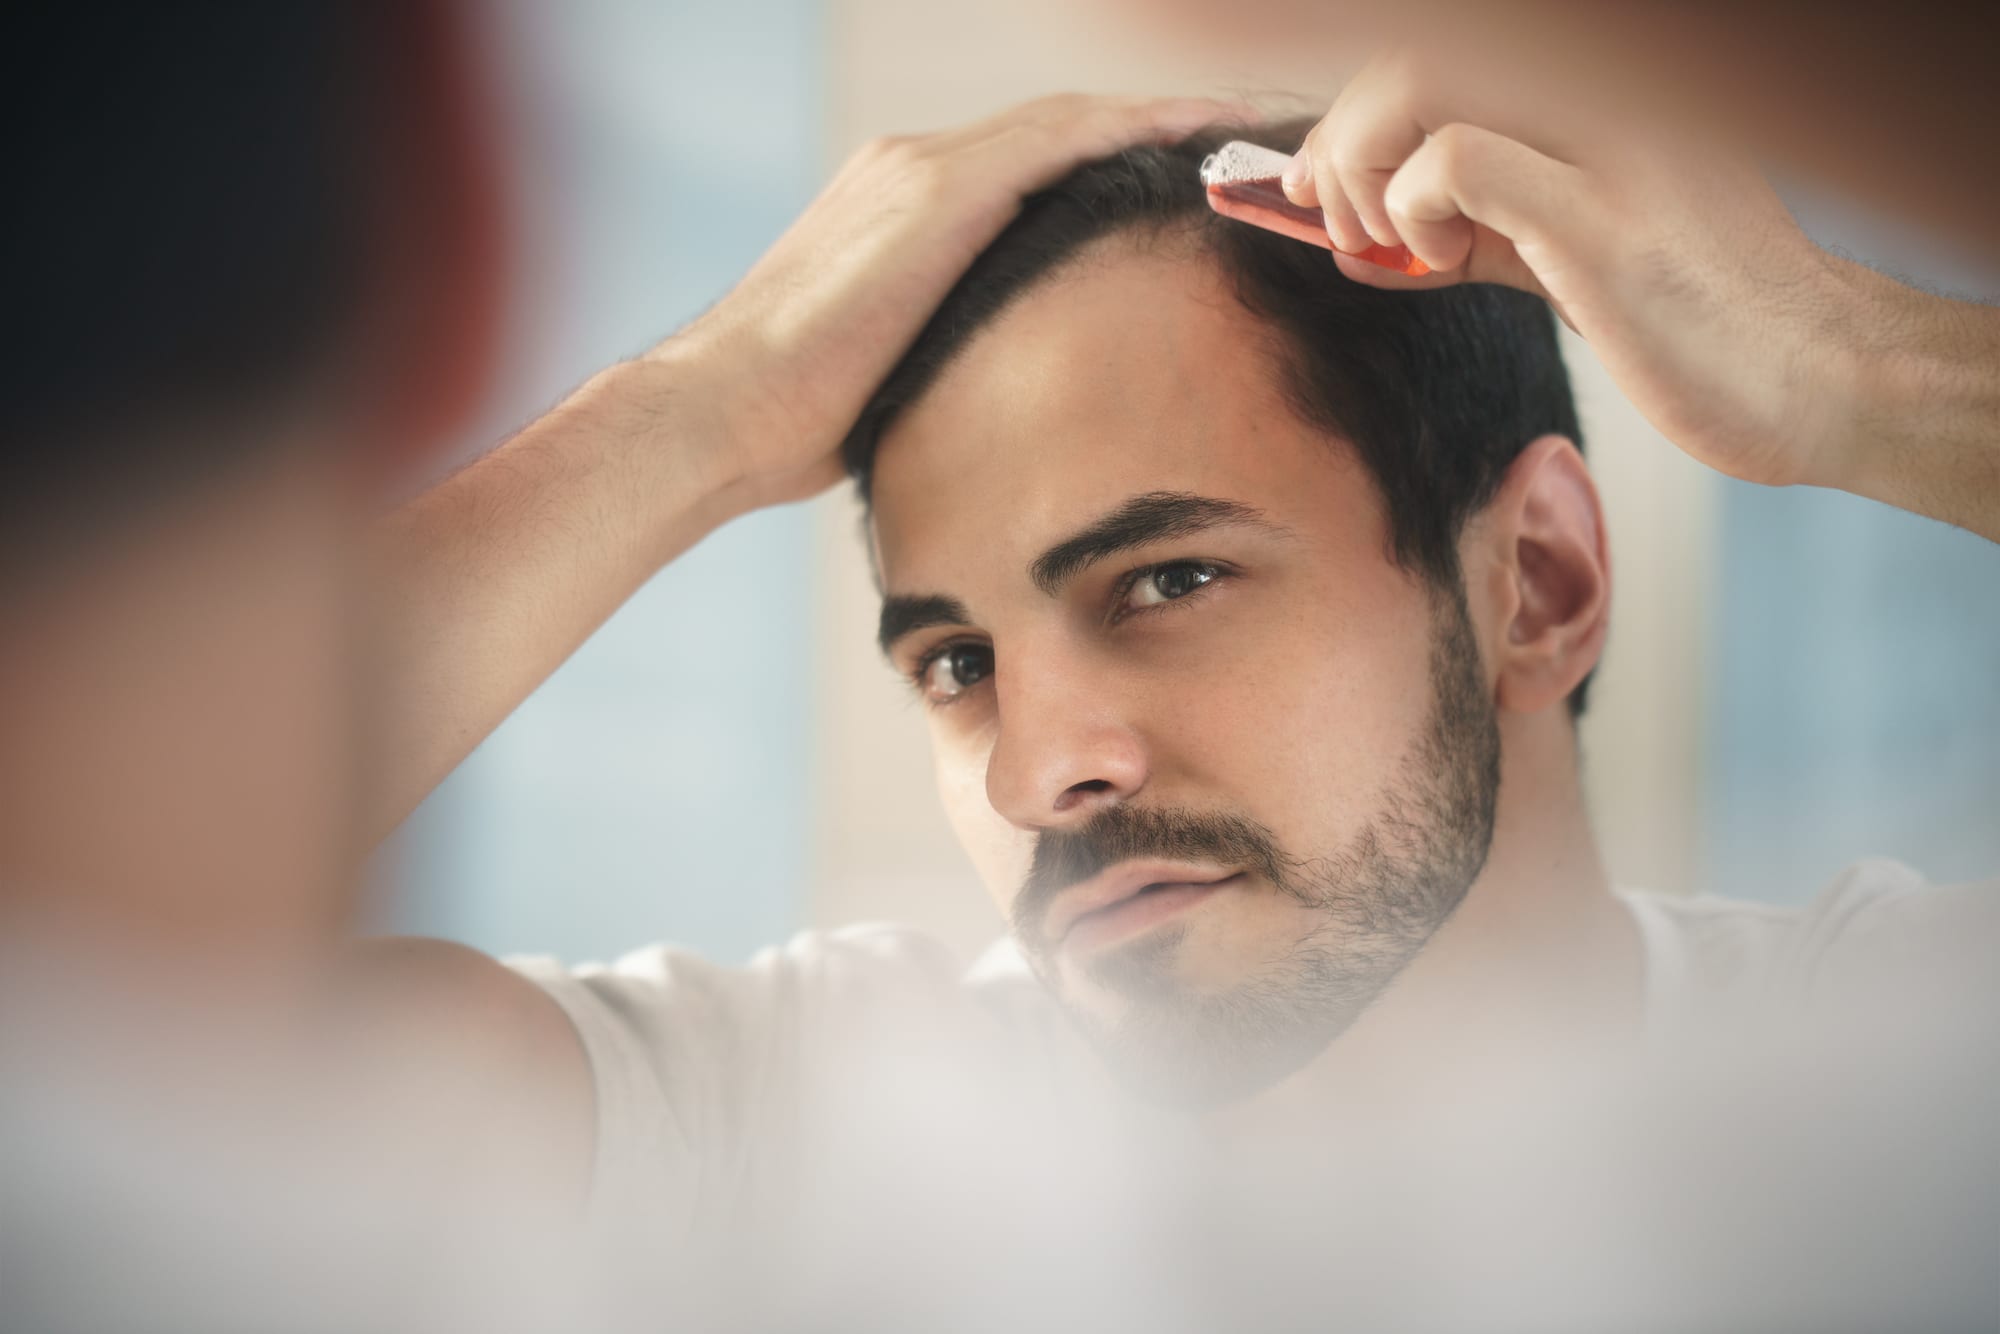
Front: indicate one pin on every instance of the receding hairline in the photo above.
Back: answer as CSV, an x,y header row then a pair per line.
x,y
1143,238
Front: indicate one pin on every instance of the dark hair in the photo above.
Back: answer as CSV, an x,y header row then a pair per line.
x,y
1437,391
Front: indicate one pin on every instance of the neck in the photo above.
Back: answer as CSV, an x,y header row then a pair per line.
x,y
1539,964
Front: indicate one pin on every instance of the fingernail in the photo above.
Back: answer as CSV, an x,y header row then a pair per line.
x,y
1295,173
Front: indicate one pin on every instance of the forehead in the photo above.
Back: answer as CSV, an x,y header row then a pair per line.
x,y
1132,370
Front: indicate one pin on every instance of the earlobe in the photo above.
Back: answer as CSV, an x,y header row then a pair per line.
x,y
1549,524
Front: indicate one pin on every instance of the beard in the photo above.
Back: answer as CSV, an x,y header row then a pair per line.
x,y
1373,903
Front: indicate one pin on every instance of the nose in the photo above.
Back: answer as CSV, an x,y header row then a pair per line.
x,y
1063,751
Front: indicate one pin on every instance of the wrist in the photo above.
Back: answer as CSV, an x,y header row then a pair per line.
x,y
1866,371
639,436
673,429
1919,400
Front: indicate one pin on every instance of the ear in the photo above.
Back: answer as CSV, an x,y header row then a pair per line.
x,y
1546,573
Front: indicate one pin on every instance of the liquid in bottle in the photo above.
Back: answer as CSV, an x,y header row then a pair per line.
x,y
1243,183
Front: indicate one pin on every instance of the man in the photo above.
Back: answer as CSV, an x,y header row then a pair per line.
x,y
1253,703
1213,700
491,579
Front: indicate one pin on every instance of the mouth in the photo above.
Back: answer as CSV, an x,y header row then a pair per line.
x,y
1128,899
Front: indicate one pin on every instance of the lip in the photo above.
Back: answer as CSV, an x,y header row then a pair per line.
x,y
1113,903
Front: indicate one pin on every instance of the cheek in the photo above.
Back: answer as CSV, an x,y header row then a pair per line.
x,y
999,852
1302,719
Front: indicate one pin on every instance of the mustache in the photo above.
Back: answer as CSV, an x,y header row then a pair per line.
x,y
1122,833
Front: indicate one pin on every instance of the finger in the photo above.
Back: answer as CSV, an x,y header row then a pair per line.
x,y
1372,132
1343,224
1370,274
1297,180
1464,175
1301,186
1425,212
1493,260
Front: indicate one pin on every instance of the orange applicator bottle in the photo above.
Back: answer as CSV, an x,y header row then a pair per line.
x,y
1242,180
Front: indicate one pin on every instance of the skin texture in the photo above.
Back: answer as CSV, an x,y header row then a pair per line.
x,y
1295,690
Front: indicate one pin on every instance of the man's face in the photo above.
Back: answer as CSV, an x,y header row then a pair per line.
x,y
1222,763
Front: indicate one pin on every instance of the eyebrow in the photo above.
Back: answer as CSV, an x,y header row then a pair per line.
x,y
904,615
1153,517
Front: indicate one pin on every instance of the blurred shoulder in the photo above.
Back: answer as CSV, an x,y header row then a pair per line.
x,y
478,1049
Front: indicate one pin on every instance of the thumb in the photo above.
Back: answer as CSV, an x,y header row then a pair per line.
x,y
1490,209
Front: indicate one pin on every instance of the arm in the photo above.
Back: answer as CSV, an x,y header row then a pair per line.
x,y
488,582
1745,344
1926,432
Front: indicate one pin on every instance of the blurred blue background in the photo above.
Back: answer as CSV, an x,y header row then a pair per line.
x,y
1854,651
655,787
667,782
1855,697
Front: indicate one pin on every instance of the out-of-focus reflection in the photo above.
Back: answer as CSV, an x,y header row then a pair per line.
x,y
249,277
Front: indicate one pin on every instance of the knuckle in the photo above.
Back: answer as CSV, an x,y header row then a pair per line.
x,y
1063,106
927,184
1405,200
1405,76
1451,144
1314,145
883,147
1348,166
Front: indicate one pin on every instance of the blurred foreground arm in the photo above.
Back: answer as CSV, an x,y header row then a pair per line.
x,y
489,581
1747,345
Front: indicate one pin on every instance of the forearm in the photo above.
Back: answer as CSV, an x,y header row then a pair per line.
x,y
1926,416
484,585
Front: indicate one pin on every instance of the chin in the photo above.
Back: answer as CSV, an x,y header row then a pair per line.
x,y
1192,1033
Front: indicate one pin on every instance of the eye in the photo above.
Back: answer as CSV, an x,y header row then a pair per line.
x,y
1166,583
953,670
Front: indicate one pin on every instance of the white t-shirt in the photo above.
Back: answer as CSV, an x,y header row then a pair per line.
x,y
712,1081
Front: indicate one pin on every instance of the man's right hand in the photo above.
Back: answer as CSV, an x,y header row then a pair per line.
x,y
1746,344
783,365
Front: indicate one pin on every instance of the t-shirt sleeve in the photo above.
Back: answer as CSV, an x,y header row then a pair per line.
x,y
701,1071
1882,930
